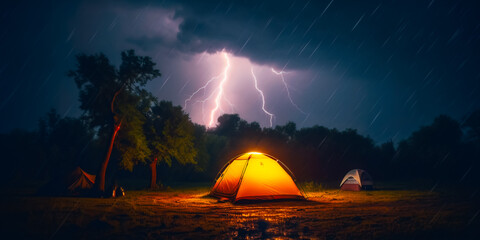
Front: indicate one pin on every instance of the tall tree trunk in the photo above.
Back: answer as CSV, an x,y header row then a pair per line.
x,y
100,180
153,180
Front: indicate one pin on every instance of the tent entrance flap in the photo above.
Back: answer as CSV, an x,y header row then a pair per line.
x,y
228,182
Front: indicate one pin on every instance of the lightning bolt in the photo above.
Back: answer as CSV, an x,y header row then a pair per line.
x,y
217,92
203,103
263,98
288,90
204,87
220,90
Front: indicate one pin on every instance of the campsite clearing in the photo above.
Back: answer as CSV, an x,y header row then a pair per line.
x,y
188,213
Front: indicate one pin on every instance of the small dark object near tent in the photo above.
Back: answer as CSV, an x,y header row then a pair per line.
x,y
118,192
79,182
356,180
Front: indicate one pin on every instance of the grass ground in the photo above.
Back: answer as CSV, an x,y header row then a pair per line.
x,y
187,213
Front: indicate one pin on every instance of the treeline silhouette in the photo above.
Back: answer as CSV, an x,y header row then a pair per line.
x,y
444,151
140,137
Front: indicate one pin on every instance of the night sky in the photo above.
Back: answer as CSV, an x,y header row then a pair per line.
x,y
382,67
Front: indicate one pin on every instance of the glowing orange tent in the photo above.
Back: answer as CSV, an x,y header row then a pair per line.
x,y
255,176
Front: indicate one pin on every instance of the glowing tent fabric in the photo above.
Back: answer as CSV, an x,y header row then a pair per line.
x,y
356,180
255,176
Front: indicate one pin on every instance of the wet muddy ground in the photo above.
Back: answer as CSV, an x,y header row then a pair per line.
x,y
190,214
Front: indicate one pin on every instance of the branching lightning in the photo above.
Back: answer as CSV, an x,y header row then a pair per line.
x,y
205,100
263,98
218,93
288,90
198,90
220,90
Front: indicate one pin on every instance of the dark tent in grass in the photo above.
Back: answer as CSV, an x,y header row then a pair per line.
x,y
356,180
75,183
79,182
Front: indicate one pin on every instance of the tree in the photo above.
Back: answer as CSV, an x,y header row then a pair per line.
x,y
105,94
64,142
228,125
432,147
200,142
132,144
170,134
288,130
472,123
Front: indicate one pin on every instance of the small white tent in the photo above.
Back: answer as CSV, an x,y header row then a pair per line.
x,y
356,180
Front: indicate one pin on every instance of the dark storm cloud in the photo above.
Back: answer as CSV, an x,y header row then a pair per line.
x,y
412,60
373,37
383,67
